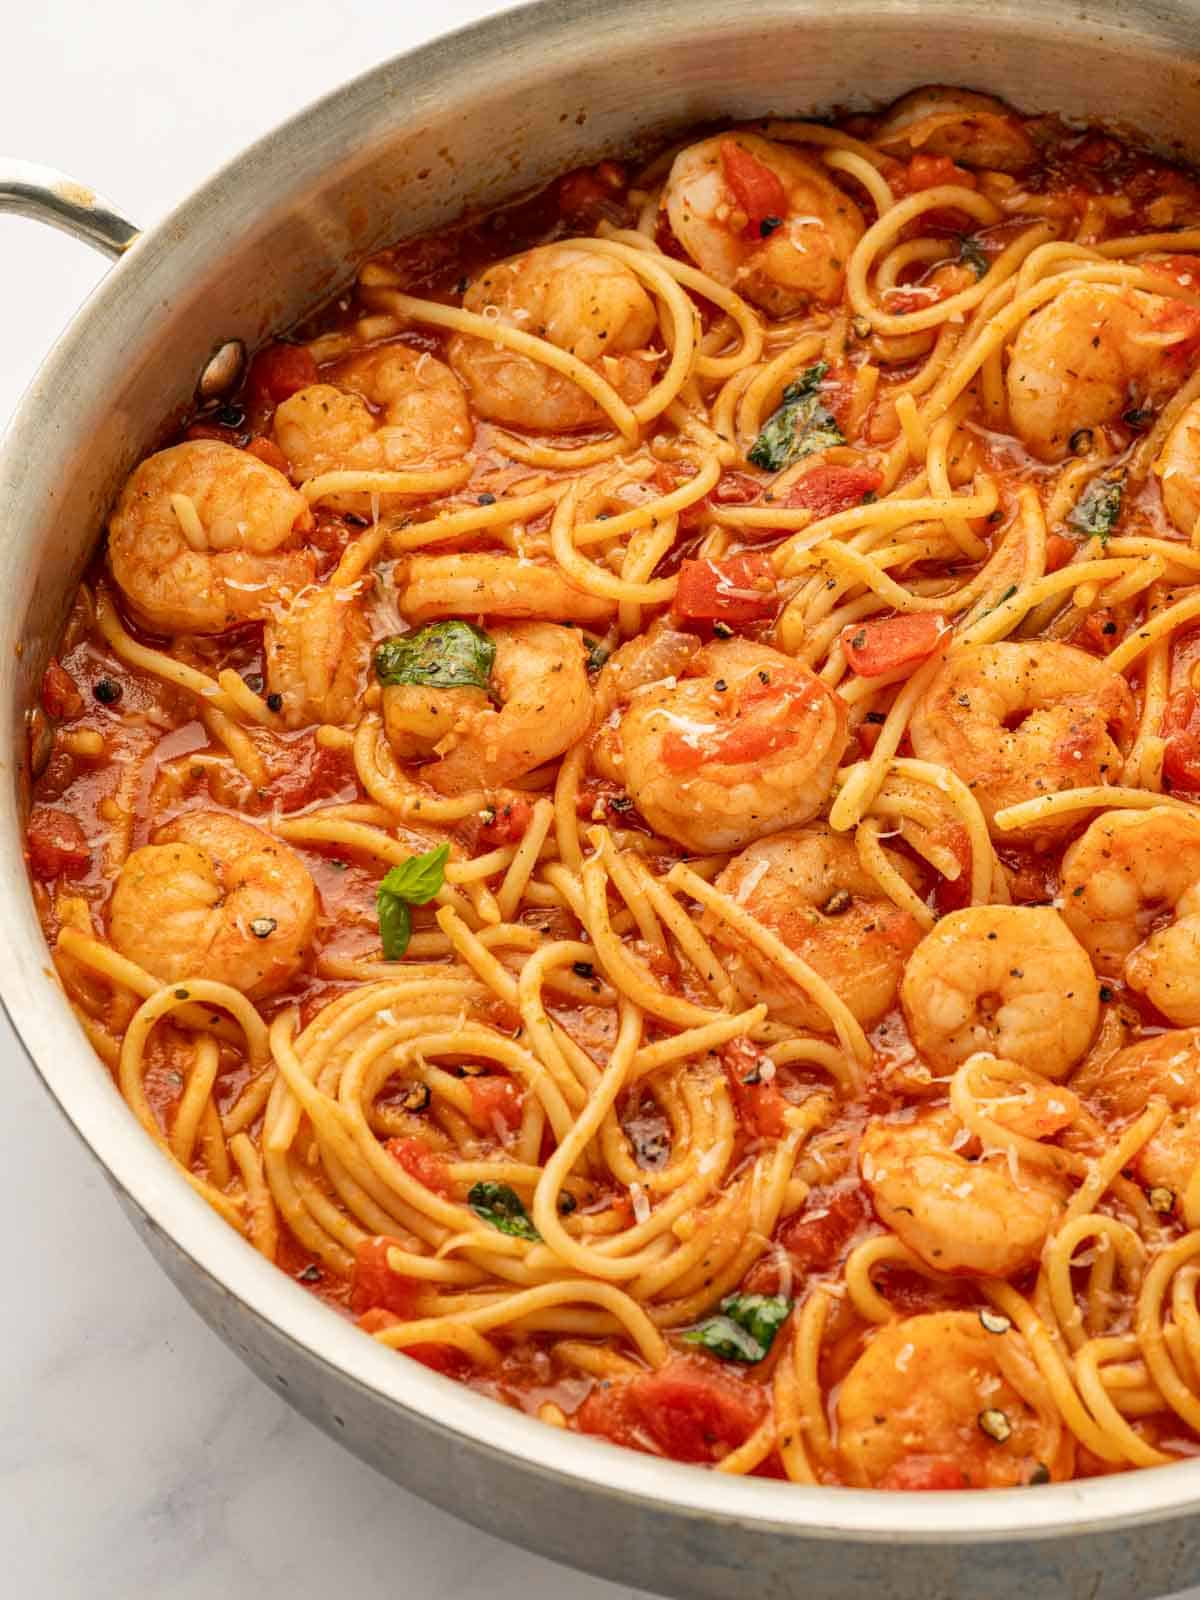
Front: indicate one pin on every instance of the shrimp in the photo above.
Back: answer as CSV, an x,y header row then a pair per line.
x,y
1012,980
938,1401
1178,470
589,305
205,537
315,652
746,743
762,219
960,1212
1018,720
1167,1065
542,706
975,130
387,409
810,888
1093,353
214,897
480,584
1129,872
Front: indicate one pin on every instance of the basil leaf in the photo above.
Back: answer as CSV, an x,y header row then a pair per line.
x,y
445,655
410,883
745,1329
1098,508
800,426
971,254
501,1206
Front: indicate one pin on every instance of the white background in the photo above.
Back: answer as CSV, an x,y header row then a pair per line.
x,y
137,1457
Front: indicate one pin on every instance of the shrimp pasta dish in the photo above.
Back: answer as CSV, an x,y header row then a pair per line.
x,y
623,803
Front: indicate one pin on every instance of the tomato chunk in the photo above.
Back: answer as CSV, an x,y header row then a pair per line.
x,y
931,172
756,189
760,1105
373,1284
695,1409
816,1238
1181,727
267,450
426,1165
496,1100
60,697
279,371
440,1357
609,1413
873,648
738,589
827,490
1059,551
508,824
57,845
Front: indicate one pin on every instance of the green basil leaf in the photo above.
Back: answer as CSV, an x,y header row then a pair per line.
x,y
501,1206
445,655
971,254
411,883
1098,507
799,427
745,1328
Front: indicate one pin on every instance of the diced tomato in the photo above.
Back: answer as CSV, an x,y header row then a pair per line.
x,y
445,1358
57,845
756,189
609,1413
816,1238
60,697
952,894
508,825
932,172
873,648
760,1105
426,1165
1183,270
1099,632
267,450
738,589
495,1098
925,1472
1059,551
827,490
1184,322
589,193
1181,727
735,489
313,773
373,1284
279,371
693,1406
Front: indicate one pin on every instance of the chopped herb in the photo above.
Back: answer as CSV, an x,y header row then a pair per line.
x,y
972,254
768,226
1081,441
501,1206
995,606
263,927
995,1424
412,883
861,327
722,630
274,702
620,802
1161,1200
1098,508
416,1098
799,426
995,1321
745,1328
107,691
597,654
445,655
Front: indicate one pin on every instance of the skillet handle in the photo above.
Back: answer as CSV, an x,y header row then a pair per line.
x,y
51,197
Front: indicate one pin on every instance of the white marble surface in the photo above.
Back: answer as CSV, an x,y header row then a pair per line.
x,y
137,1456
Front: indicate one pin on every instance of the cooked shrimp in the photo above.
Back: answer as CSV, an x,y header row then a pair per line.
x,y
205,537
387,409
939,1402
975,130
1178,469
315,651
1094,352
1131,896
762,219
479,584
1017,720
745,744
542,705
589,305
215,897
1167,1065
1012,980
810,888
959,1211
